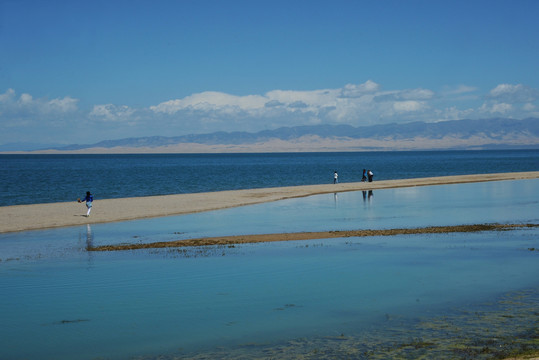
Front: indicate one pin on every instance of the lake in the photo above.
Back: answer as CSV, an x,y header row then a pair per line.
x,y
29,179
454,295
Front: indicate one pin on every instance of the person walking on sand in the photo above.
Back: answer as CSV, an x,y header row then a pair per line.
x,y
335,177
88,199
364,177
370,174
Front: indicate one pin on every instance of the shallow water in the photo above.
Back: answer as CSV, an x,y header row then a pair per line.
x,y
329,297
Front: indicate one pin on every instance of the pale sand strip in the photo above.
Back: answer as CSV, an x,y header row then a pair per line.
x,y
42,216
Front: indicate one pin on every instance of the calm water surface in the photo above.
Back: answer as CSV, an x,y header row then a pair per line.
x,y
28,179
346,297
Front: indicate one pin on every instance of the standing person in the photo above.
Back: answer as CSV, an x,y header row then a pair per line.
x,y
335,177
364,177
88,199
370,174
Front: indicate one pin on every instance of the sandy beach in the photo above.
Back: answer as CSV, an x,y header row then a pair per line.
x,y
42,216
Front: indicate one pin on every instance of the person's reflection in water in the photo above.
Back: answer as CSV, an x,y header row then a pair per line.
x,y
364,196
89,237
371,194
335,197
89,243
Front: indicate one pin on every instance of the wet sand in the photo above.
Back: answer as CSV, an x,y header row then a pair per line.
x,y
252,239
42,216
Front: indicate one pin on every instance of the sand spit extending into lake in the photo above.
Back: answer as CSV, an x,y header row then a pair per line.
x,y
42,216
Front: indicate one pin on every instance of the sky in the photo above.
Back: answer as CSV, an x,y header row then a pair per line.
x,y
85,71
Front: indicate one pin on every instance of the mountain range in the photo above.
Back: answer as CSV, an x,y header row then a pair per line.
x,y
495,133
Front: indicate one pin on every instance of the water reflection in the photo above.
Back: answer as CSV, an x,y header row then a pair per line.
x,y
367,195
61,300
89,243
89,237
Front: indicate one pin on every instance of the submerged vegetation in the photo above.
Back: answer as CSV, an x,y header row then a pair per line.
x,y
502,329
246,239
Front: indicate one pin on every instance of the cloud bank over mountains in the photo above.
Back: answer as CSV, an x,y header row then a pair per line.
x,y
61,120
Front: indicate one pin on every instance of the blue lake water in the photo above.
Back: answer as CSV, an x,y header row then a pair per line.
x,y
331,297
28,179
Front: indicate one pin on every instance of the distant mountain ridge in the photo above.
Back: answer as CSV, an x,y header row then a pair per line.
x,y
454,134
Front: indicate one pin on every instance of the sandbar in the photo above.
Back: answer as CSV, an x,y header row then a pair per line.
x,y
258,238
52,215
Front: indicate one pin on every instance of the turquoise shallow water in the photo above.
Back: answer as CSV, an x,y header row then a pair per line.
x,y
59,301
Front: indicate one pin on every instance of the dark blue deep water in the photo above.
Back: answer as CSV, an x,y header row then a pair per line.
x,y
27,179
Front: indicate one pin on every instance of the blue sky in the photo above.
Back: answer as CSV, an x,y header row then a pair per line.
x,y
85,71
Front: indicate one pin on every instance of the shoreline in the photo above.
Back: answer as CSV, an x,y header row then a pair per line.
x,y
53,215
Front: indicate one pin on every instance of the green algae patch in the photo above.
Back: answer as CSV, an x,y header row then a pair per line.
x,y
504,328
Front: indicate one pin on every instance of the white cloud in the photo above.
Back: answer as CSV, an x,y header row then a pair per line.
x,y
211,101
501,108
311,101
279,107
407,106
8,96
529,107
509,93
26,100
290,100
64,105
497,108
353,104
110,112
205,112
273,104
297,105
352,90
511,100
26,105
452,113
